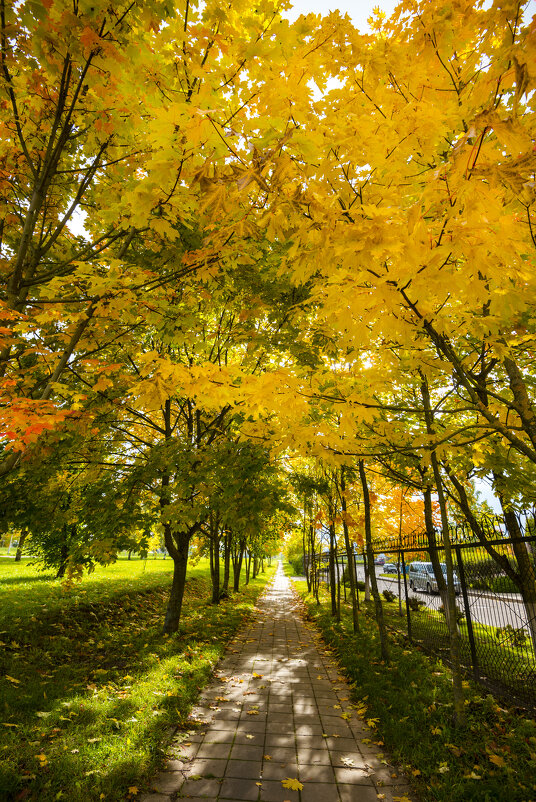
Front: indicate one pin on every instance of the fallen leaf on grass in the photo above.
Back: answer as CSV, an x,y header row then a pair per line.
x,y
293,784
133,790
498,760
12,679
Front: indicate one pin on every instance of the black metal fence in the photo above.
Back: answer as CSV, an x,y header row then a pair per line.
x,y
495,588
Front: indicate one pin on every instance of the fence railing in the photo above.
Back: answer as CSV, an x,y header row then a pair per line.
x,y
495,602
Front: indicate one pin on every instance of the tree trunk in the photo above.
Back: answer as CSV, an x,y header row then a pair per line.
x,y
22,538
384,648
226,563
450,596
366,569
177,544
237,566
525,576
331,564
248,566
349,555
215,559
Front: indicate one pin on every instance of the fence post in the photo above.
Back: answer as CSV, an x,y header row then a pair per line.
x,y
470,632
408,612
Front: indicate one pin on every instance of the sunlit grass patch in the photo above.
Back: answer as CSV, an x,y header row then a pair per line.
x,y
91,690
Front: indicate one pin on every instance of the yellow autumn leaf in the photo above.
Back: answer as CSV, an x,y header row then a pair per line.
x,y
133,790
293,784
498,760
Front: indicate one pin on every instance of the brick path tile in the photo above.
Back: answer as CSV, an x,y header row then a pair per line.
x,y
203,788
296,729
168,782
236,788
154,798
246,769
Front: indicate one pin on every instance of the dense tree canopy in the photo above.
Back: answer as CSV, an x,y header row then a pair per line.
x,y
227,235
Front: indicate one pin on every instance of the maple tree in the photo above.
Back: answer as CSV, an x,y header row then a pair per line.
x,y
229,248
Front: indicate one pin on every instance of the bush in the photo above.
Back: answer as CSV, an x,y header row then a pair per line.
x,y
388,595
361,585
415,604
297,565
516,637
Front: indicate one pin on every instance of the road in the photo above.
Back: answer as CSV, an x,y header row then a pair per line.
x,y
485,609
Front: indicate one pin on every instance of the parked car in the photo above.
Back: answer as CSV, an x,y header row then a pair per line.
x,y
389,568
422,577
380,559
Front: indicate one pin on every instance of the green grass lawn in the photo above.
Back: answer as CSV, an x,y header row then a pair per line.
x,y
91,690
491,759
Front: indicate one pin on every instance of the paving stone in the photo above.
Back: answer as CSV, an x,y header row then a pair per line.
x,y
313,757
214,750
320,792
366,793
168,782
276,770
246,769
154,798
273,791
322,773
354,776
207,767
236,788
246,752
202,788
282,754
280,739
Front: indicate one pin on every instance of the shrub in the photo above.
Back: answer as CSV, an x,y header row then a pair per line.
x,y
516,637
297,565
388,595
415,604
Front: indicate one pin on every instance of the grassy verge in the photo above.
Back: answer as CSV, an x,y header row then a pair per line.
x,y
492,759
91,691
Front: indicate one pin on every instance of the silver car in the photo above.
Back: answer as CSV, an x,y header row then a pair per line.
x,y
422,577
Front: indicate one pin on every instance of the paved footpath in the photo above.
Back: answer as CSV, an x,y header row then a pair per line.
x,y
273,713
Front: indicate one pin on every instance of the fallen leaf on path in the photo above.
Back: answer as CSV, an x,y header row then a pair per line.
x,y
293,784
